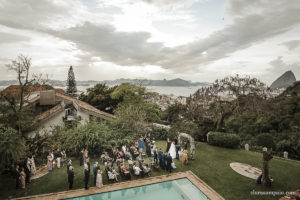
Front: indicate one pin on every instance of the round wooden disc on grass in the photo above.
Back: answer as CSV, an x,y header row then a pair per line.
x,y
246,170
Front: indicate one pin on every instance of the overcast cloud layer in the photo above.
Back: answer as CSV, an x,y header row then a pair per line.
x,y
200,40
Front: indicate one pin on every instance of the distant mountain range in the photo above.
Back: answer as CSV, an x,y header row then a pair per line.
x,y
284,81
142,82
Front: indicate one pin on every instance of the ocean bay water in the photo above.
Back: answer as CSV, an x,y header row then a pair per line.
x,y
177,91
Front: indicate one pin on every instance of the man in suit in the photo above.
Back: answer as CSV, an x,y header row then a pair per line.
x,y
155,155
160,155
81,157
86,176
69,165
185,146
166,160
95,170
148,148
88,163
169,161
17,176
163,161
71,177
27,170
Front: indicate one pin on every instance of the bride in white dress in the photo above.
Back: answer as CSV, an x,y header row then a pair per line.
x,y
172,150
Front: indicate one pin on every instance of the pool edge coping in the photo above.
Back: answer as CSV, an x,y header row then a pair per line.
x,y
200,184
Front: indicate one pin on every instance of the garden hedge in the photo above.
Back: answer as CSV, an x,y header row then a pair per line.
x,y
228,140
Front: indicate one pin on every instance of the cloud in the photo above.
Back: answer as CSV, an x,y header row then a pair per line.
x,y
124,48
41,14
279,66
258,24
175,4
292,44
11,38
252,22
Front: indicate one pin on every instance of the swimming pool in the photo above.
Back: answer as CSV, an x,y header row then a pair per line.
x,y
181,189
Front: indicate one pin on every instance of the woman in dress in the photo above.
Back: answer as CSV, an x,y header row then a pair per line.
x,y
112,175
63,157
33,168
184,157
180,153
99,183
85,155
172,150
49,163
23,178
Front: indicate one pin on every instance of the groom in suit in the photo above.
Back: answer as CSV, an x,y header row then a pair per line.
x,y
169,161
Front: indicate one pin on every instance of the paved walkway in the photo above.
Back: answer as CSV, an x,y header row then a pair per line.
x,y
41,171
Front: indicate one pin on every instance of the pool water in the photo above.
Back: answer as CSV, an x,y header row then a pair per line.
x,y
179,189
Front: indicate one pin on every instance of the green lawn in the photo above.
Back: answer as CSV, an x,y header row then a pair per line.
x,y
211,164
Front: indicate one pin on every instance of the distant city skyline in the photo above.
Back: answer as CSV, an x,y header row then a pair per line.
x,y
196,40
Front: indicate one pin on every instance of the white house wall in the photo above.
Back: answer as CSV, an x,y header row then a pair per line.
x,y
85,117
48,124
57,120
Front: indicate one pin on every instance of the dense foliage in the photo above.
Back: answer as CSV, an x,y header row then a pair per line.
x,y
184,127
96,136
12,147
265,140
158,133
99,96
227,140
112,99
20,119
244,106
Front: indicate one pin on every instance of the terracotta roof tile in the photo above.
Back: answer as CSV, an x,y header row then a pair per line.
x,y
32,101
86,106
48,113
14,90
61,91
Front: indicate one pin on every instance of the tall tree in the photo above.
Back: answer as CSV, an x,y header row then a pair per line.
x,y
15,114
224,98
100,97
21,66
132,95
71,83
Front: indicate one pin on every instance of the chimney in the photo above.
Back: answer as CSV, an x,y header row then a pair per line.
x,y
47,97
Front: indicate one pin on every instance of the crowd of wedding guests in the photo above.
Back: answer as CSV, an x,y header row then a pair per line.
x,y
129,161
24,171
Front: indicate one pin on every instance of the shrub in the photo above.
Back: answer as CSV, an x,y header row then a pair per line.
x,y
159,133
284,145
228,140
265,140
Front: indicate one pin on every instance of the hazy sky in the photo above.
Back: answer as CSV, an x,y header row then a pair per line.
x,y
199,40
